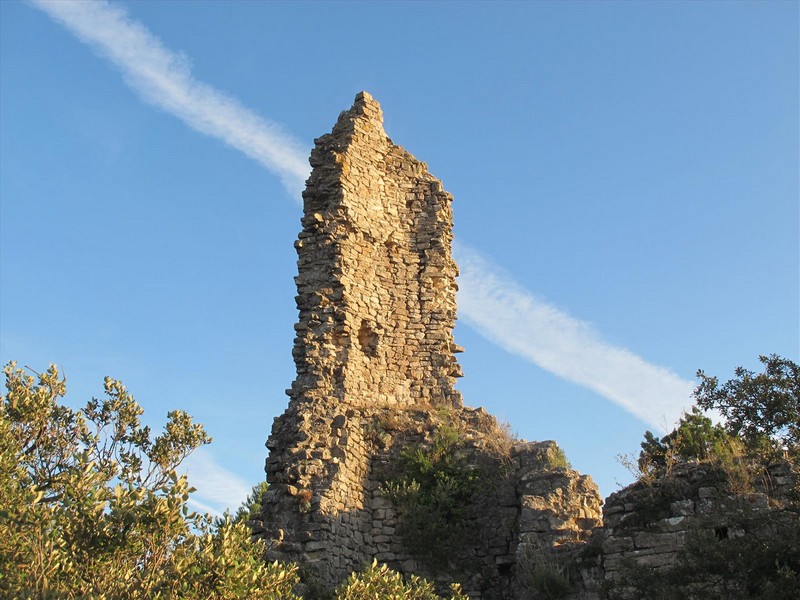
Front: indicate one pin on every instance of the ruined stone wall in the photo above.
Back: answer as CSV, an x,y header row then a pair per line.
x,y
376,300
530,508
375,375
376,283
647,523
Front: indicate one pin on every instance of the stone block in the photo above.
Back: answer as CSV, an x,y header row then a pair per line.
x,y
613,545
646,539
682,507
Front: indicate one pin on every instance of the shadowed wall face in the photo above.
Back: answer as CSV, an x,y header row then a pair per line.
x,y
376,284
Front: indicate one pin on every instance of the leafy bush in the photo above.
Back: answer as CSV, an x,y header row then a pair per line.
x,y
92,505
542,573
762,414
378,582
762,408
433,492
748,554
696,438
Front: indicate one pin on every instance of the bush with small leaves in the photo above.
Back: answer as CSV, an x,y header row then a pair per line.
x,y
433,492
92,506
762,408
696,438
379,582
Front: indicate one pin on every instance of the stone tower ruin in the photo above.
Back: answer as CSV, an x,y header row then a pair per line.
x,y
376,374
376,284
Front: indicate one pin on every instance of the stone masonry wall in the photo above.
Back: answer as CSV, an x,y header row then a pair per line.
x,y
376,283
530,509
376,377
376,374
647,522
376,300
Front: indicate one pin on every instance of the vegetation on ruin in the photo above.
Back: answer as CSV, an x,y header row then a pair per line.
x,y
91,504
433,489
763,409
542,572
557,459
749,554
762,423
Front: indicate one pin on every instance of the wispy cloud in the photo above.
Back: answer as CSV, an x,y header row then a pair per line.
x,y
217,488
495,305
515,319
164,79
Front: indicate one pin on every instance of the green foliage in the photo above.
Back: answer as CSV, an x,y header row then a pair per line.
x,y
225,564
762,408
542,573
762,413
433,493
696,438
557,459
549,583
250,509
654,452
754,555
92,505
378,582
751,558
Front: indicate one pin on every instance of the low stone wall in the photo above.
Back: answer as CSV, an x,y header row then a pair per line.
x,y
647,523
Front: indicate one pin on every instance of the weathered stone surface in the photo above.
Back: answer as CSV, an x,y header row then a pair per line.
x,y
376,372
648,523
376,283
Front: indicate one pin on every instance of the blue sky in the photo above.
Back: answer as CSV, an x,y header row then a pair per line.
x,y
626,200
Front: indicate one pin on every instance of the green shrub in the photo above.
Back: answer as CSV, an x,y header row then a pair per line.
x,y
761,408
557,459
549,583
378,582
91,505
542,573
433,492
696,438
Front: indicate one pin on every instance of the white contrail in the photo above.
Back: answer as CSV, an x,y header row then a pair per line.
x,y
164,78
217,488
493,304
515,319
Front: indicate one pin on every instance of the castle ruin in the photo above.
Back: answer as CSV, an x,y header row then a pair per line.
x,y
376,284
375,391
376,374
